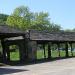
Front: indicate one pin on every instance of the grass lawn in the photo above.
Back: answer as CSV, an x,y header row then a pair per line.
x,y
54,53
14,56
40,54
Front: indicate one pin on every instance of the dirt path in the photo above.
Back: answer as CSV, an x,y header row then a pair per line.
x,y
58,67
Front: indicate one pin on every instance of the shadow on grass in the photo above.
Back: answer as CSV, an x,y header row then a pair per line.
x,y
4,71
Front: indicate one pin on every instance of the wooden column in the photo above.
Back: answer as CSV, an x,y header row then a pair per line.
x,y
4,51
66,48
58,48
71,49
25,48
44,51
32,50
49,50
20,52
8,52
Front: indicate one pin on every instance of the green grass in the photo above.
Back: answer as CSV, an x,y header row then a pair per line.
x,y
54,53
74,53
14,56
40,54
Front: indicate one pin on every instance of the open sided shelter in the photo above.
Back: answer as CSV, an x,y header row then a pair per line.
x,y
27,42
11,36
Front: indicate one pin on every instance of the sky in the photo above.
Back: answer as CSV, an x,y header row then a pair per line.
x,y
61,12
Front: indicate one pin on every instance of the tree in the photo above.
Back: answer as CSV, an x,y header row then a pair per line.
x,y
3,18
55,27
24,19
41,18
68,30
20,18
73,29
41,21
14,21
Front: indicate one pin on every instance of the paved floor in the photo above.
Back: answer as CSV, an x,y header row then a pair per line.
x,y
58,67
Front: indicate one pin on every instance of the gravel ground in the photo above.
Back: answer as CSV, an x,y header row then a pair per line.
x,y
58,67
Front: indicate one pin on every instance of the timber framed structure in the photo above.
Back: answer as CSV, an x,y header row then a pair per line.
x,y
27,42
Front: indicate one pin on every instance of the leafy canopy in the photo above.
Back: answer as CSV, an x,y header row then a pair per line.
x,y
24,19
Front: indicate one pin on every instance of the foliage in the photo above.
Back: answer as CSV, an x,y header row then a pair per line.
x,y
3,18
70,30
20,18
41,21
55,27
73,30
41,18
24,19
15,21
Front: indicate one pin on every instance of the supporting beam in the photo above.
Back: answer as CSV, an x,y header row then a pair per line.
x,y
20,52
25,48
58,48
32,51
71,49
8,53
49,50
44,51
3,51
66,48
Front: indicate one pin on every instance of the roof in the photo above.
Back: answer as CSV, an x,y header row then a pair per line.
x,y
51,36
7,31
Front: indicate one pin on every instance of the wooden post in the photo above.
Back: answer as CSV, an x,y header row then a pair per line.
x,y
71,49
44,51
66,49
4,50
58,48
49,50
25,48
20,52
8,53
32,50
